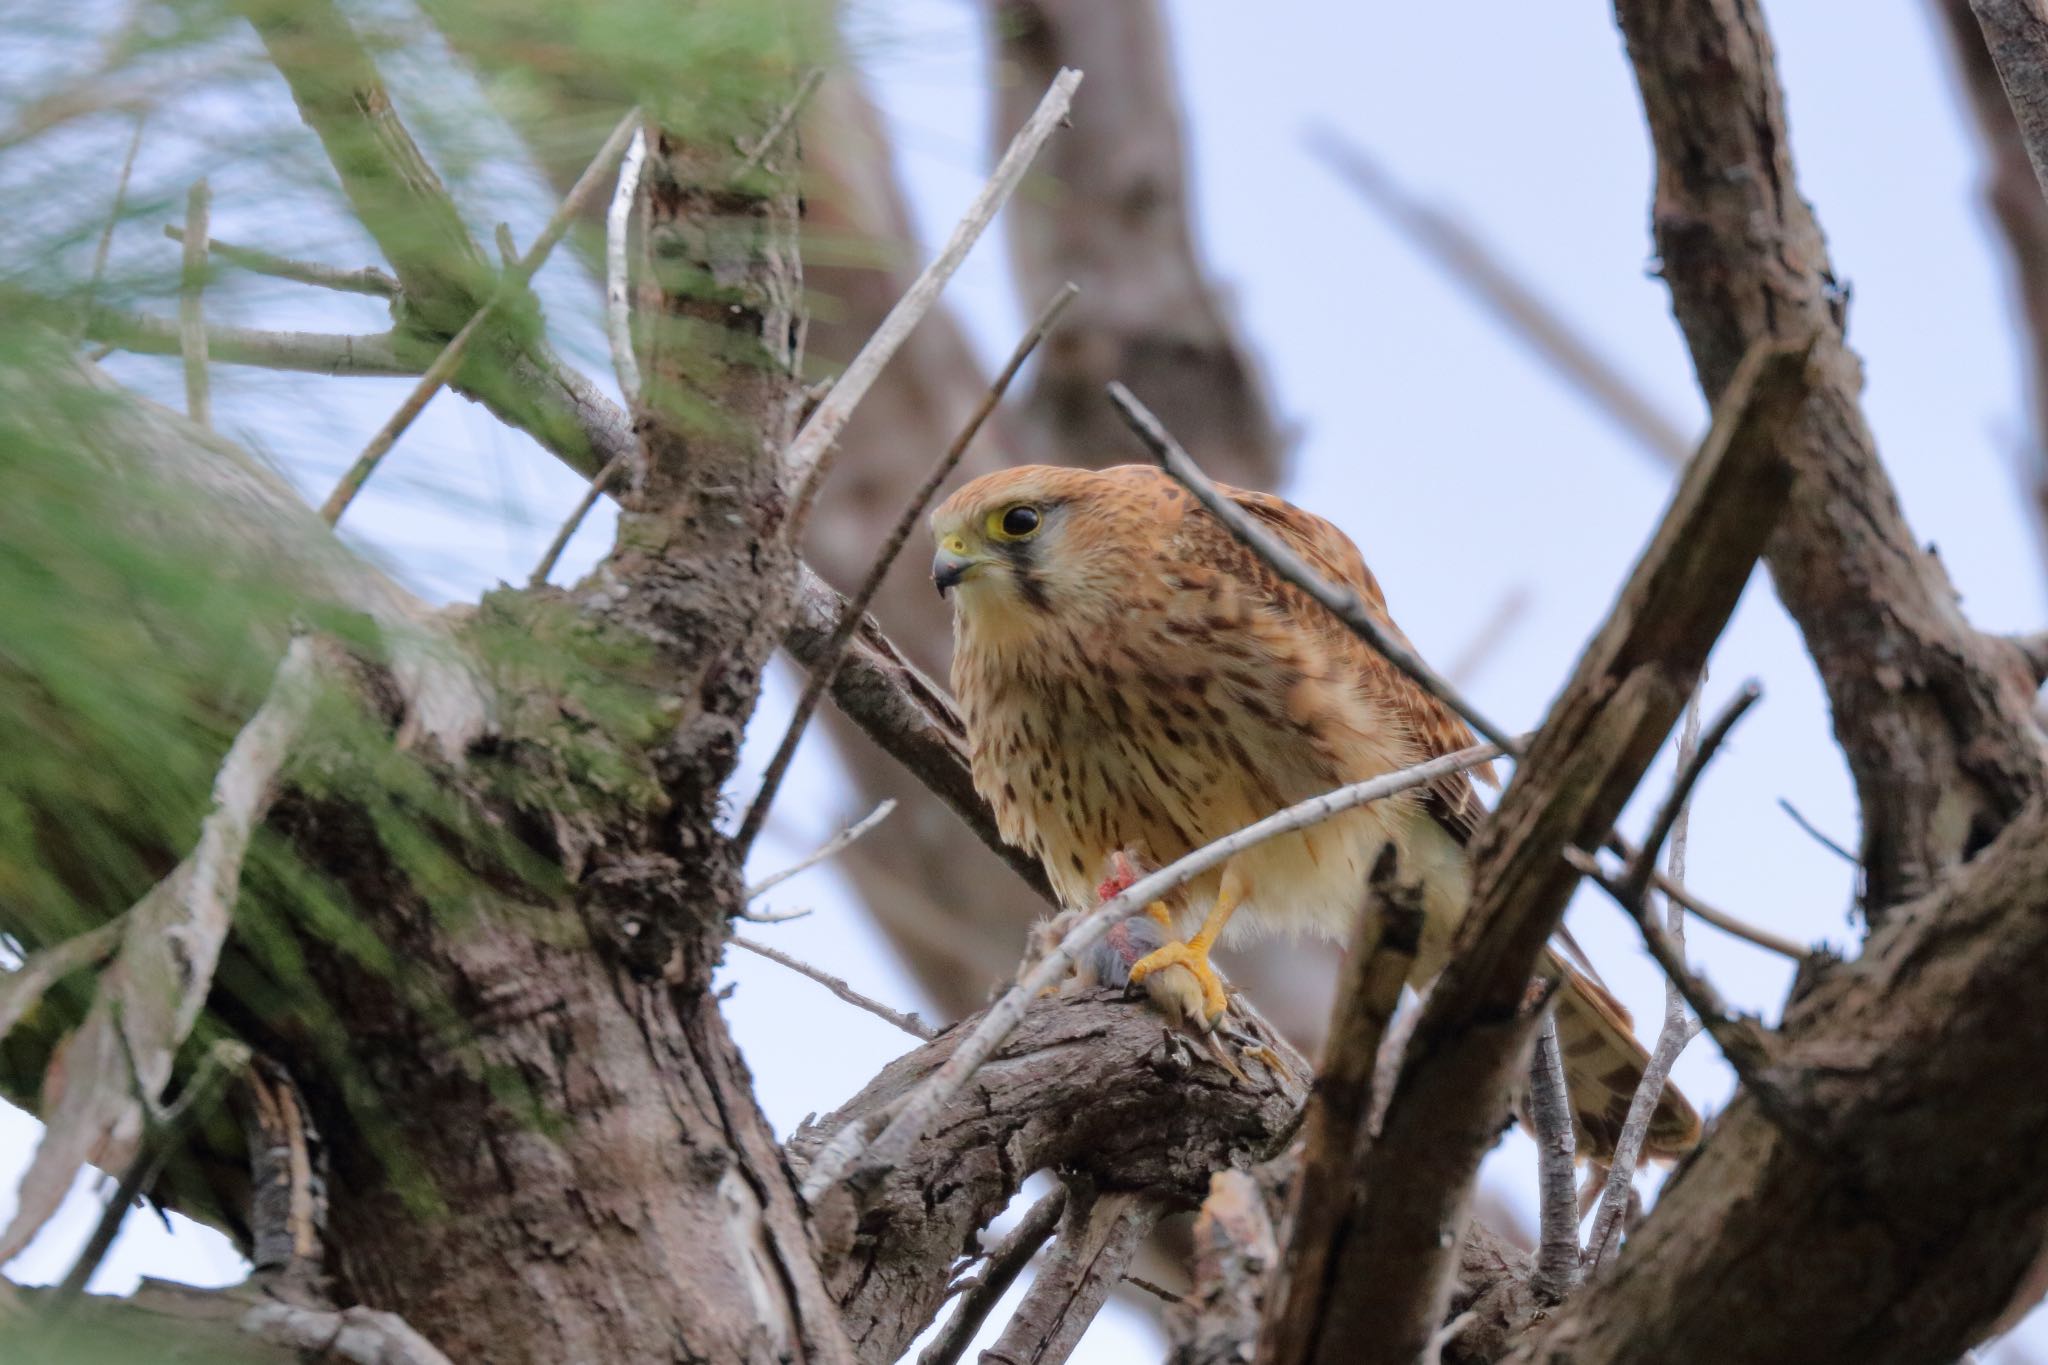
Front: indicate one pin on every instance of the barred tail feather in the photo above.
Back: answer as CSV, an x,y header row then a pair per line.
x,y
1603,1064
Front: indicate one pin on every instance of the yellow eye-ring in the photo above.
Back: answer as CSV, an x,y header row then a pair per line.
x,y
1018,521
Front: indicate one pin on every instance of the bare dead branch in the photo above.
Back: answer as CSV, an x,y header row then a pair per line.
x,y
105,247
1391,1262
909,1023
362,1335
1604,1242
164,1136
1235,1254
1005,1262
1693,757
2016,35
510,284
595,490
1940,739
829,849
1550,1116
773,133
1348,1089
1099,1235
22,989
363,353
1816,833
850,618
191,311
618,298
369,280
2014,196
812,453
850,1156
1339,601
1529,318
1085,1086
119,1061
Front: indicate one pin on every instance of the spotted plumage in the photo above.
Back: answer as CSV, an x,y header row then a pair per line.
x,y
1135,678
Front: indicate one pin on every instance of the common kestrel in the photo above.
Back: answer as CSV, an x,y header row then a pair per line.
x,y
1134,678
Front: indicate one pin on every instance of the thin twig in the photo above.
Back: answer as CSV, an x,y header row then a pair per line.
x,y
1550,1114
1006,1261
370,280
24,987
1543,327
828,849
827,666
618,303
510,283
1678,1029
1341,602
106,243
1712,914
847,1147
575,518
1739,1037
1695,751
812,452
804,91
909,1023
191,310
1814,832
163,1137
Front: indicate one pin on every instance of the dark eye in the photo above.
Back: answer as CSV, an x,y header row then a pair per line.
x,y
1020,520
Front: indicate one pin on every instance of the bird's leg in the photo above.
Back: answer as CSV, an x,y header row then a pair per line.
x,y
1194,954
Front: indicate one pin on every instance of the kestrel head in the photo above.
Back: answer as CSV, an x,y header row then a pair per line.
x,y
1040,541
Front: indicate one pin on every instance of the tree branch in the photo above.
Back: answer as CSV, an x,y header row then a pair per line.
x,y
1099,1235
863,1162
1938,734
812,454
909,1023
1005,1262
368,280
1391,1260
1550,1119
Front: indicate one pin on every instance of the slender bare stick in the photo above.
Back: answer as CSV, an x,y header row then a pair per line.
x,y
1341,602
909,1023
510,283
1098,1237
618,303
1679,1029
24,987
830,848
805,89
847,1147
1695,751
367,280
575,518
191,310
812,452
1006,1261
1550,1114
163,1137
827,666
1712,914
1536,322
106,243
1818,835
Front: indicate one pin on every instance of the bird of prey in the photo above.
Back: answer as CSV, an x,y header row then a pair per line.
x,y
1135,678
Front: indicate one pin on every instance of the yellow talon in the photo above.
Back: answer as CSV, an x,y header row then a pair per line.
x,y
1196,959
